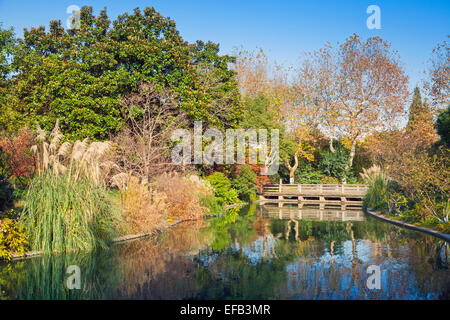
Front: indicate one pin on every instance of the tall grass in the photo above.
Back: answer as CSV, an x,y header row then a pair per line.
x,y
66,207
183,195
143,208
63,214
378,195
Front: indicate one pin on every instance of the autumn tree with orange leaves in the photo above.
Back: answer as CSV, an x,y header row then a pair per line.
x,y
256,76
316,88
357,88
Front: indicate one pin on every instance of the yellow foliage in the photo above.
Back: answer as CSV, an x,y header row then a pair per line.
x,y
347,143
12,238
305,148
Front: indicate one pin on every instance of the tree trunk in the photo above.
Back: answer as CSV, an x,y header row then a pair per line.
x,y
292,169
352,154
331,145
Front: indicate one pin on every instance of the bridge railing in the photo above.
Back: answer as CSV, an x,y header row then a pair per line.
x,y
318,189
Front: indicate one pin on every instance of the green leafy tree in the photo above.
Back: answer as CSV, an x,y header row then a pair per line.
x,y
7,42
219,83
416,108
79,75
258,115
443,126
308,175
6,45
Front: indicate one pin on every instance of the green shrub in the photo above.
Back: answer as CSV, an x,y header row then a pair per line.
x,y
210,202
307,175
223,190
351,179
62,214
6,193
244,184
333,164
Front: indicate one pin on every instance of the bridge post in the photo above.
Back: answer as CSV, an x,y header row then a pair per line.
x,y
343,201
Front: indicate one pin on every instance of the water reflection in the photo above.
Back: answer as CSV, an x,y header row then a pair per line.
x,y
253,253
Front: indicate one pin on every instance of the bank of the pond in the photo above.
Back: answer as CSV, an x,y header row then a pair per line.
x,y
240,204
432,232
199,261
234,205
121,239
32,254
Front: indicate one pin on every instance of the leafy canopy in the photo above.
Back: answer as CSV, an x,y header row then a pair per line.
x,y
79,75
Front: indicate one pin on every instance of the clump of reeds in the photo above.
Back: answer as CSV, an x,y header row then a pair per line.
x,y
81,159
378,195
371,174
62,214
66,207
143,208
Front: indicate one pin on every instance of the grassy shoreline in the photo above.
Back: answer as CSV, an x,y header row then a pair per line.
x,y
398,222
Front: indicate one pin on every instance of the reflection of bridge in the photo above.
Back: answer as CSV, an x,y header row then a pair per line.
x,y
340,194
311,213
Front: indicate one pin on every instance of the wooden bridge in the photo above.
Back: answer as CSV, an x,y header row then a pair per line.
x,y
312,213
338,194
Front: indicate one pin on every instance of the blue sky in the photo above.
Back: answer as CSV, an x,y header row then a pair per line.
x,y
283,28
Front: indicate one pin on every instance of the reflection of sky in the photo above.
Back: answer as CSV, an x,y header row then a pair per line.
x,y
337,277
205,259
327,277
253,251
321,275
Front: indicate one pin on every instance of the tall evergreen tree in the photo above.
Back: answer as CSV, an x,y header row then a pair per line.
x,y
420,124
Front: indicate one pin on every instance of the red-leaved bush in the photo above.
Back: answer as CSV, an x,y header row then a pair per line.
x,y
260,180
18,159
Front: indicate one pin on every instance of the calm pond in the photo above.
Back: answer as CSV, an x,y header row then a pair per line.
x,y
253,252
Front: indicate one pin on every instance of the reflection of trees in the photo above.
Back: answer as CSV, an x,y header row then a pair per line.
x,y
242,255
317,275
45,277
127,270
234,276
150,267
